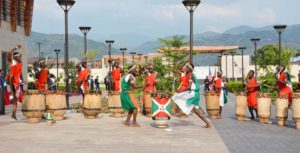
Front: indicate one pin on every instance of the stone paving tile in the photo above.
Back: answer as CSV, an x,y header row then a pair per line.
x,y
108,135
254,137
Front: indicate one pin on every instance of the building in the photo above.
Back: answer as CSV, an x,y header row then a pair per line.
x,y
15,27
128,59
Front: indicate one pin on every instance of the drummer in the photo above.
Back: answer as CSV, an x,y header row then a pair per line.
x,y
15,80
252,86
129,103
284,84
150,82
188,98
219,88
42,75
116,74
83,77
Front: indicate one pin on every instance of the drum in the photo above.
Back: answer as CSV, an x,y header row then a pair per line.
x,y
92,104
34,106
296,109
282,106
56,104
115,105
148,103
264,107
212,104
161,111
241,105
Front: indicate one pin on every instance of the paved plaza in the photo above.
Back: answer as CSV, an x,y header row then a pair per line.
x,y
184,135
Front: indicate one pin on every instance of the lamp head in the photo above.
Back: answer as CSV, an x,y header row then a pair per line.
x,y
123,49
280,27
109,42
255,39
242,48
85,30
66,4
57,51
191,5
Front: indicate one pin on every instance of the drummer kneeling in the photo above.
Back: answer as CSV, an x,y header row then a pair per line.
x,y
188,99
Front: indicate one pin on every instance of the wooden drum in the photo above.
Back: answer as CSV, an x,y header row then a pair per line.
x,y
92,104
56,104
241,105
114,104
34,105
296,109
161,110
212,104
148,103
282,106
264,107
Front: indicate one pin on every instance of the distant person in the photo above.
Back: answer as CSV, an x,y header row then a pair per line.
x,y
52,82
252,90
299,76
97,83
108,82
206,83
92,84
3,87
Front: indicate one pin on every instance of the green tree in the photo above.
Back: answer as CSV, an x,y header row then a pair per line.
x,y
268,56
91,54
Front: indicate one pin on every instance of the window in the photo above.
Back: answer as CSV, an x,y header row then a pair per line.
x,y
4,11
20,4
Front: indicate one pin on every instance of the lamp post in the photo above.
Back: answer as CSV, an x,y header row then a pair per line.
x,y
39,44
232,54
85,30
132,53
279,29
57,52
226,54
109,43
123,52
242,50
220,61
66,5
140,57
191,5
255,40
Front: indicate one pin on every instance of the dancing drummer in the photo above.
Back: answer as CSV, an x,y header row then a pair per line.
x,y
15,78
83,77
252,86
150,82
42,76
219,88
116,74
188,98
283,80
129,103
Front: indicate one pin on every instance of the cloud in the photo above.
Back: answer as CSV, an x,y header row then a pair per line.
x,y
265,16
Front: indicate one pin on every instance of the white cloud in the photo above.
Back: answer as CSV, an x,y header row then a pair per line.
x,y
265,16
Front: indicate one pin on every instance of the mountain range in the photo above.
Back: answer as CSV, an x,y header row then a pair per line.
x,y
238,36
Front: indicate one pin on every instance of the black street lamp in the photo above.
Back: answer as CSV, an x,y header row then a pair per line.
x,y
226,54
280,29
85,30
242,50
232,54
132,53
66,5
191,5
123,52
57,52
255,40
140,57
220,61
39,44
109,43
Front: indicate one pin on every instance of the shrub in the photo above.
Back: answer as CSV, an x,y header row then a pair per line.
x,y
235,87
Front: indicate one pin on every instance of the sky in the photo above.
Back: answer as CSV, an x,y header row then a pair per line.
x,y
158,18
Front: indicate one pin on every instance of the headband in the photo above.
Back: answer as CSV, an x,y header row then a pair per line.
x,y
16,54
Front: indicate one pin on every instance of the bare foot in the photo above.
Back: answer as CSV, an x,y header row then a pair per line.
x,y
127,124
135,125
14,116
207,126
